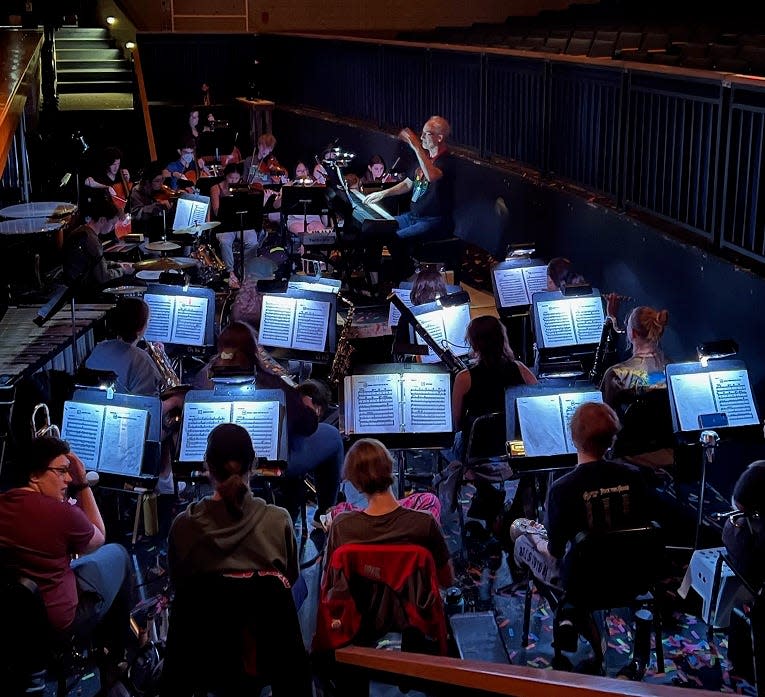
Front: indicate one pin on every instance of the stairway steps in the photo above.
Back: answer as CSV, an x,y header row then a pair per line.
x,y
82,32
92,87
94,74
84,54
83,44
85,64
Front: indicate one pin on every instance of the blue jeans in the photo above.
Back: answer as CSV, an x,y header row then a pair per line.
x,y
103,590
427,227
322,454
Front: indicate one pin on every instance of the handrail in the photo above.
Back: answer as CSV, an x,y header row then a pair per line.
x,y
499,679
143,98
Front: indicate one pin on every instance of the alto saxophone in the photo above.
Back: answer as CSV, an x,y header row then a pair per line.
x,y
342,360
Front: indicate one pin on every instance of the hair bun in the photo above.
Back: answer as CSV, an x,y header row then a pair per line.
x,y
662,317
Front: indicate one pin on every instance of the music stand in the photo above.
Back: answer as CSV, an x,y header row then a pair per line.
x,y
709,401
380,401
302,200
242,210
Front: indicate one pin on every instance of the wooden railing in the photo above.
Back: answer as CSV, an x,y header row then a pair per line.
x,y
498,679
144,104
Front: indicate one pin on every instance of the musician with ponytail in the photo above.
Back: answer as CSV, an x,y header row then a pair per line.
x,y
231,531
645,370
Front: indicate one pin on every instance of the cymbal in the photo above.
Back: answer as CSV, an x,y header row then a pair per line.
x,y
197,228
164,264
163,246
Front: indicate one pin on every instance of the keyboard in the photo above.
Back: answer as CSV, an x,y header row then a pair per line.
x,y
372,218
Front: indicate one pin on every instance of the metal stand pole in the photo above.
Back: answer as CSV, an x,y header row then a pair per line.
x,y
709,441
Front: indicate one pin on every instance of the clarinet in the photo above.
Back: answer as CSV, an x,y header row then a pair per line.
x,y
604,347
452,362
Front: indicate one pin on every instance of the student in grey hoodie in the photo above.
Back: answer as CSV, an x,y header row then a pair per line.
x,y
232,531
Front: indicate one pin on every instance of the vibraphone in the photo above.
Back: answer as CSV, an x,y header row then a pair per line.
x,y
26,349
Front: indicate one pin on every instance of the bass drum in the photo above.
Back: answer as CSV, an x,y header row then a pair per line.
x,y
223,303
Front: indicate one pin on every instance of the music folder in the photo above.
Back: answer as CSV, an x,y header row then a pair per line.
x,y
261,412
567,321
299,324
540,417
514,282
180,315
117,435
400,403
716,396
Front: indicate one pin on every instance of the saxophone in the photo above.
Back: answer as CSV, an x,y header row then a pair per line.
x,y
170,379
342,360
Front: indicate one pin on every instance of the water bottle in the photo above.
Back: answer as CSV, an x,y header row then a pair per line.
x,y
455,601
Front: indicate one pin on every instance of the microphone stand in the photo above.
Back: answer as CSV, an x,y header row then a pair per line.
x,y
452,362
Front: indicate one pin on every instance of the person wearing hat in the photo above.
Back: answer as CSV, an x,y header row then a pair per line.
x,y
231,531
743,532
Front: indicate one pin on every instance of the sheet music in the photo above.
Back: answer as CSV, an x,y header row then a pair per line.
x,y
199,418
546,421
83,427
511,287
535,278
161,308
555,322
726,391
427,403
433,324
569,403
372,403
456,320
124,436
541,425
312,285
311,322
693,396
733,395
261,420
587,314
277,321
190,320
394,315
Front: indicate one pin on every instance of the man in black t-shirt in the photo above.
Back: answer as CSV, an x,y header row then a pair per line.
x,y
597,495
431,187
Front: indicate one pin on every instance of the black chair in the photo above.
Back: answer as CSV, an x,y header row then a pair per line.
x,y
746,650
238,639
30,653
646,423
604,571
447,250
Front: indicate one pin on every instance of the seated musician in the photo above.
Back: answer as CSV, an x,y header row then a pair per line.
x,y
743,534
377,172
85,267
427,286
314,447
112,177
148,199
480,390
645,370
184,172
560,273
262,166
384,520
49,516
231,178
138,373
432,189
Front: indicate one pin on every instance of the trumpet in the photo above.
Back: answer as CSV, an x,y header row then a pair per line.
x,y
47,428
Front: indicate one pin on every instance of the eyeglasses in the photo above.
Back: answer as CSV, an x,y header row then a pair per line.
x,y
60,471
739,518
427,133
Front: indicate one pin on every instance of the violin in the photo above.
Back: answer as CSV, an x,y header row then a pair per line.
x,y
167,193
